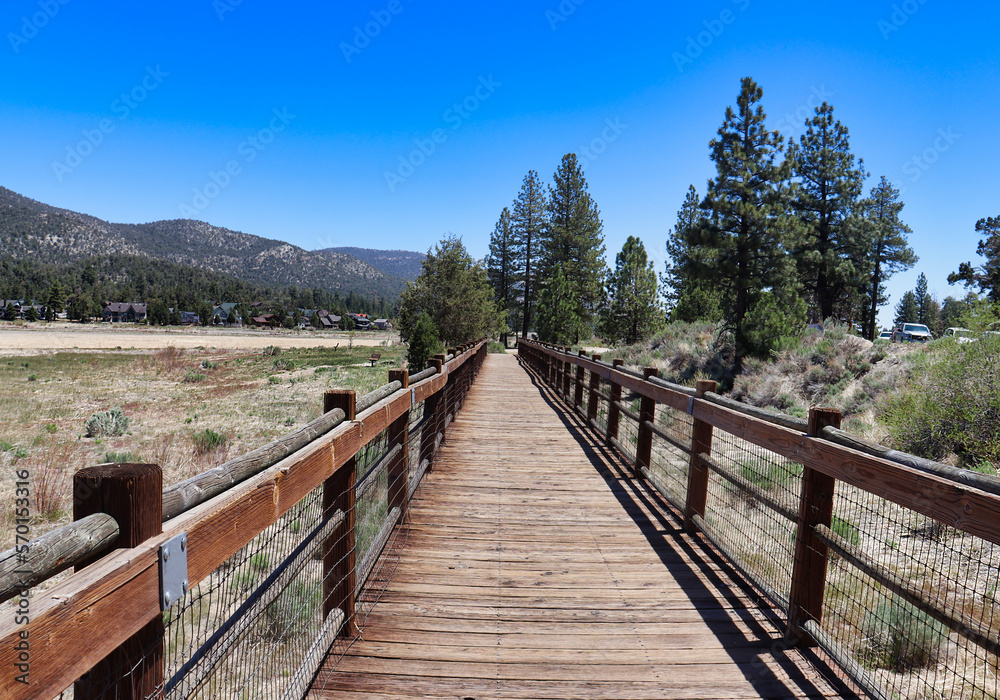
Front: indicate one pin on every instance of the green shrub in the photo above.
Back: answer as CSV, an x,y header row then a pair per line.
x,y
495,348
122,458
846,529
51,428
32,377
208,364
111,423
770,476
423,342
207,441
950,404
289,616
899,637
272,351
192,376
274,380
284,364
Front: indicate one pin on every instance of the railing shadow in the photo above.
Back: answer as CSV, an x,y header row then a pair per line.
x,y
692,559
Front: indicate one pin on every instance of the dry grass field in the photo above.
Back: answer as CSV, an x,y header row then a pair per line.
x,y
188,408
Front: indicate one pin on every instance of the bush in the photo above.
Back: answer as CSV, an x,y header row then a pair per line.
x,y
284,365
899,637
271,351
423,342
496,348
193,377
207,441
289,616
110,423
122,458
208,364
273,380
950,405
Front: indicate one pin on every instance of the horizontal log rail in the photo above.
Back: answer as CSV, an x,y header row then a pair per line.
x,y
80,620
966,501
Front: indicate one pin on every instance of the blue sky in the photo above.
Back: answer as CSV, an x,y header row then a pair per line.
x,y
388,124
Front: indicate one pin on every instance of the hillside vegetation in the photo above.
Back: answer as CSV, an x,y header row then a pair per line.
x,y
31,230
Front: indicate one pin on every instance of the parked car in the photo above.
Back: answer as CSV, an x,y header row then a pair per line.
x,y
912,333
885,335
962,335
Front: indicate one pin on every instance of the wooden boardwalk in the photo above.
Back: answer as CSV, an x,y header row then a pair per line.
x,y
535,568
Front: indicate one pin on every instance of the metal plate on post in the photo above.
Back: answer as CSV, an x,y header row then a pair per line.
x,y
173,570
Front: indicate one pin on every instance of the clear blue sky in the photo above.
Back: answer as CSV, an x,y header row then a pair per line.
x,y
125,110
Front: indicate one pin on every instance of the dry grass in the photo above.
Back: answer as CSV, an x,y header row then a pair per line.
x,y
42,421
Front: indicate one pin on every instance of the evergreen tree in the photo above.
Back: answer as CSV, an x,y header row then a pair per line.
x,y
455,292
9,313
744,239
906,310
56,298
556,311
175,316
204,313
423,342
987,277
30,314
632,313
829,245
925,304
688,297
502,270
888,252
527,224
574,242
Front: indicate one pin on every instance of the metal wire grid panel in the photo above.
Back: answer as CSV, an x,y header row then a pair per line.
x,y
759,538
669,464
906,598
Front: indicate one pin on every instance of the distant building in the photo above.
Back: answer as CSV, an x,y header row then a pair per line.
x,y
382,324
121,312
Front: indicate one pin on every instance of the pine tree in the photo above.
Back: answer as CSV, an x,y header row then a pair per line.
x,y
455,292
574,241
925,304
888,252
744,241
829,242
987,277
423,342
502,271
906,310
528,221
688,297
556,310
632,313
55,301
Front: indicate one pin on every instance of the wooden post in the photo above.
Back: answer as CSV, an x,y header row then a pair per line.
x,y
578,396
647,412
567,374
595,387
809,568
398,473
701,443
133,495
432,415
445,404
339,569
614,413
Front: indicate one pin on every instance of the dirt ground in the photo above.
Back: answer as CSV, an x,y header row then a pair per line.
x,y
32,338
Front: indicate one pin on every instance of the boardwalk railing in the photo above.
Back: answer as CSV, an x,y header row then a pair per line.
x,y
888,562
236,583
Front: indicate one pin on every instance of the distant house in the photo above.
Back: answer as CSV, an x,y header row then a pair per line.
x,y
382,324
190,318
16,303
269,320
122,312
220,314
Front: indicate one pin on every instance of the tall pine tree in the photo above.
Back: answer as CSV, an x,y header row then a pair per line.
x,y
574,241
556,310
501,266
688,297
906,310
745,236
829,244
528,221
987,277
888,252
632,313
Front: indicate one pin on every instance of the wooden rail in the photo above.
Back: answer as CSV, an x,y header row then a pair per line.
x,y
962,500
78,622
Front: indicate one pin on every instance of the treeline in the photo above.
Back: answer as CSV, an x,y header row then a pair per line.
x,y
83,285
546,265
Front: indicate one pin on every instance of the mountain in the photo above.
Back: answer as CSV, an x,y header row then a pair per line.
x,y
398,263
52,236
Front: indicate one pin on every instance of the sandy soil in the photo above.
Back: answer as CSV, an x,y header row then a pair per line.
x,y
64,336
